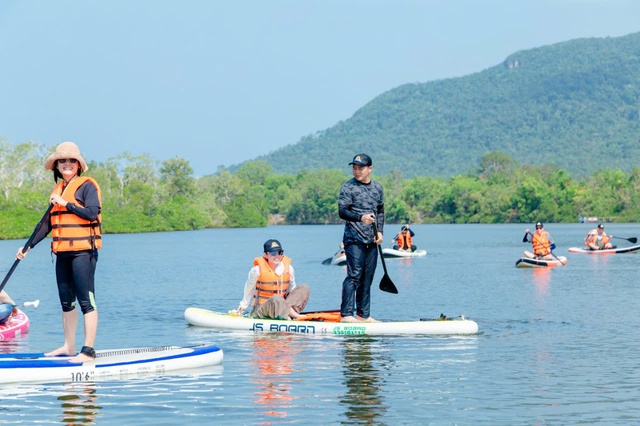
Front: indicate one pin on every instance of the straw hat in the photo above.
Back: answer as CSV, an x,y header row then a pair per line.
x,y
65,150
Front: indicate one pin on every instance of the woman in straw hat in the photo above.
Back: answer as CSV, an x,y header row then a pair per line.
x,y
75,224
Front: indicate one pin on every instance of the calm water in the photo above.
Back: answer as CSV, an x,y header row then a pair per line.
x,y
555,346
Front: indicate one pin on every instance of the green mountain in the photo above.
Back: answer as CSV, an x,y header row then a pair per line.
x,y
574,104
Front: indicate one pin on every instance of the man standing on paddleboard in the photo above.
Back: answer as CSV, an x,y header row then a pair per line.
x,y
361,205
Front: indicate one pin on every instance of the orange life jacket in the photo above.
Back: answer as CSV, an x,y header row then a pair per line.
x,y
269,283
70,232
404,240
541,244
592,237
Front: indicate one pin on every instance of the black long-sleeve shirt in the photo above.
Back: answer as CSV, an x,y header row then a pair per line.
x,y
356,199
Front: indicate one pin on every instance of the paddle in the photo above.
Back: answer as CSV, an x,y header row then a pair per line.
x,y
28,243
632,240
553,254
327,261
385,283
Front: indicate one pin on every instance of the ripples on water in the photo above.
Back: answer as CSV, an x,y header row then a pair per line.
x,y
555,347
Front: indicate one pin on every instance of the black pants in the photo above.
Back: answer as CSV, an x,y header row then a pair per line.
x,y
356,288
75,272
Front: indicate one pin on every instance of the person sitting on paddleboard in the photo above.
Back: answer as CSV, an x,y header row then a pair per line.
x,y
597,239
404,240
5,299
341,251
541,241
271,289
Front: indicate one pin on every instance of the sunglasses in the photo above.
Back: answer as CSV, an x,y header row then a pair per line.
x,y
538,227
67,160
277,253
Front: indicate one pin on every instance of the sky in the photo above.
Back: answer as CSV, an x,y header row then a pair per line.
x,y
222,82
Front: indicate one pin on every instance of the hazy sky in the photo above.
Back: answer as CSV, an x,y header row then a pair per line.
x,y
221,82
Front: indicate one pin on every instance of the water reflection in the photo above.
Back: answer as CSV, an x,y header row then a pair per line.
x,y
79,404
599,262
403,271
541,281
11,346
363,400
274,357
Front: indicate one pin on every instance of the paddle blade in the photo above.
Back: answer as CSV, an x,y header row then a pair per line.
x,y
387,285
327,261
34,304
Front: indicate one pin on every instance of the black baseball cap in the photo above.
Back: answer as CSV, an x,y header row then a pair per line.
x,y
362,160
272,246
601,226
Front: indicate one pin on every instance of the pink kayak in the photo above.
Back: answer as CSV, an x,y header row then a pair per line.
x,y
16,326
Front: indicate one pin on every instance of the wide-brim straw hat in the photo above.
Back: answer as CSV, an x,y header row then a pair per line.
x,y
65,150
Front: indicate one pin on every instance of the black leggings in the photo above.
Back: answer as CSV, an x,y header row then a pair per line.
x,y
75,273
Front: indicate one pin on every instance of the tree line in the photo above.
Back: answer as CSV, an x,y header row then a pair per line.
x,y
143,195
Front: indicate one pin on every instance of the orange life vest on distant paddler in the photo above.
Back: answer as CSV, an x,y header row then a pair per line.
x,y
593,236
404,240
269,283
541,244
70,232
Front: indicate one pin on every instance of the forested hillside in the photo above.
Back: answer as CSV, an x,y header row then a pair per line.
x,y
575,105
140,194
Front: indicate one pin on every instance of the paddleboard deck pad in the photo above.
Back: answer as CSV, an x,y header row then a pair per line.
x,y
35,367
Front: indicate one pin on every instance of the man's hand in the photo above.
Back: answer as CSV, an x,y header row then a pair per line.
x,y
368,218
379,238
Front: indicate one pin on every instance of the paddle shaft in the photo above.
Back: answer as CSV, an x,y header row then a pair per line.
x,y
28,243
384,265
375,232
552,254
